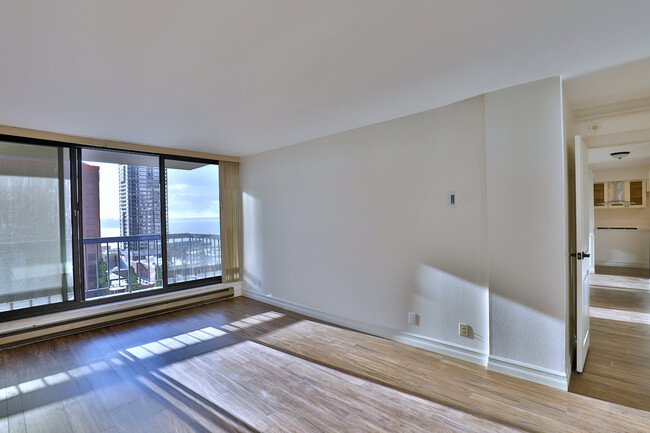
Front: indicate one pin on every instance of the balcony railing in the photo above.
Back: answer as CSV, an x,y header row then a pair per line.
x,y
125,264
192,256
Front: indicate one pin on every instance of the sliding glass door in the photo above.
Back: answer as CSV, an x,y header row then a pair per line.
x,y
121,221
35,226
85,225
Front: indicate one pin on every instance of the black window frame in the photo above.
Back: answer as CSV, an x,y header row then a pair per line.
x,y
77,234
163,173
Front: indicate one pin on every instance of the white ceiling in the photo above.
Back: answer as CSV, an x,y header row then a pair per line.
x,y
600,158
610,85
240,77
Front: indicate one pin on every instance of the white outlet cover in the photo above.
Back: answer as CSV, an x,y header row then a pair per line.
x,y
413,318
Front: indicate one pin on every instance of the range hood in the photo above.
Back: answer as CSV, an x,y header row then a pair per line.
x,y
616,194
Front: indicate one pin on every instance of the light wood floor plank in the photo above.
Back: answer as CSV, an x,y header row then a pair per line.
x,y
244,366
617,368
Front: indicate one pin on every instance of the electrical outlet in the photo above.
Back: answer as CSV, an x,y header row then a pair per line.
x,y
414,319
463,330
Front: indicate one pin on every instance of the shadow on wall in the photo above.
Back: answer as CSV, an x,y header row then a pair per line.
x,y
444,301
512,323
496,324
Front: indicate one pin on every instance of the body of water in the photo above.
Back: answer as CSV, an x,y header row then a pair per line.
x,y
178,225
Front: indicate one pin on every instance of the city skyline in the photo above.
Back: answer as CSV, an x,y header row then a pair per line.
x,y
180,192
140,200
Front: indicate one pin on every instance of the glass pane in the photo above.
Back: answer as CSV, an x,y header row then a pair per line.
x,y
193,227
120,196
35,226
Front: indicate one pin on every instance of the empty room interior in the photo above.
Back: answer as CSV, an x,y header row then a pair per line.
x,y
324,216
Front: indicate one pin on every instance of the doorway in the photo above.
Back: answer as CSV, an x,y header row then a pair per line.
x,y
617,367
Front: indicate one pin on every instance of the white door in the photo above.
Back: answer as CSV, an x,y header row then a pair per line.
x,y
582,253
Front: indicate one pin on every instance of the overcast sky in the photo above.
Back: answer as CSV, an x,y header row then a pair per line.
x,y
193,193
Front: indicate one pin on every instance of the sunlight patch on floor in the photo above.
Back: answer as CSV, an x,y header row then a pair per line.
x,y
176,342
619,315
252,320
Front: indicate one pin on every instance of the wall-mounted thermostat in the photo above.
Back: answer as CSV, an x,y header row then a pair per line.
x,y
452,199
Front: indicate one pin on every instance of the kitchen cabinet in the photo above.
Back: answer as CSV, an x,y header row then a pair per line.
x,y
599,194
637,190
623,194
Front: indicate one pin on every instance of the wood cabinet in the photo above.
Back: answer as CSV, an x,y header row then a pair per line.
x,y
624,194
599,194
637,193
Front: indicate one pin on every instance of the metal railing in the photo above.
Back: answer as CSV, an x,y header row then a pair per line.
x,y
125,264
193,256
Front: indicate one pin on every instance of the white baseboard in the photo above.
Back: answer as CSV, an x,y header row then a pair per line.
x,y
431,344
622,264
533,373
552,378
318,314
443,347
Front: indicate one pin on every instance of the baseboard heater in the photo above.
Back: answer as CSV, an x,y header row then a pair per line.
x,y
38,332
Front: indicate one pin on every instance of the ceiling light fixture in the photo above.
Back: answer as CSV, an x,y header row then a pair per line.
x,y
619,155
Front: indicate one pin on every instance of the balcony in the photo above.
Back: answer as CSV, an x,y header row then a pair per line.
x,y
126,264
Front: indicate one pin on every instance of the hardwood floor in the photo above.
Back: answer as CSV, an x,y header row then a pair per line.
x,y
618,363
622,278
244,366
622,271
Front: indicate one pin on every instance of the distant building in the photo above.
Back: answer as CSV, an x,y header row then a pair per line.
x,y
91,222
139,204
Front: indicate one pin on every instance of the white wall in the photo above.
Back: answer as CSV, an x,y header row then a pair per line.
x,y
616,247
622,217
627,248
569,154
355,228
527,231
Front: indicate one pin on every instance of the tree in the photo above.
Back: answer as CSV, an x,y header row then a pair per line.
x,y
159,276
102,269
135,282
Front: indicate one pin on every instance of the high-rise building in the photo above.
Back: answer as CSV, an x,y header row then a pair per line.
x,y
91,221
139,200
